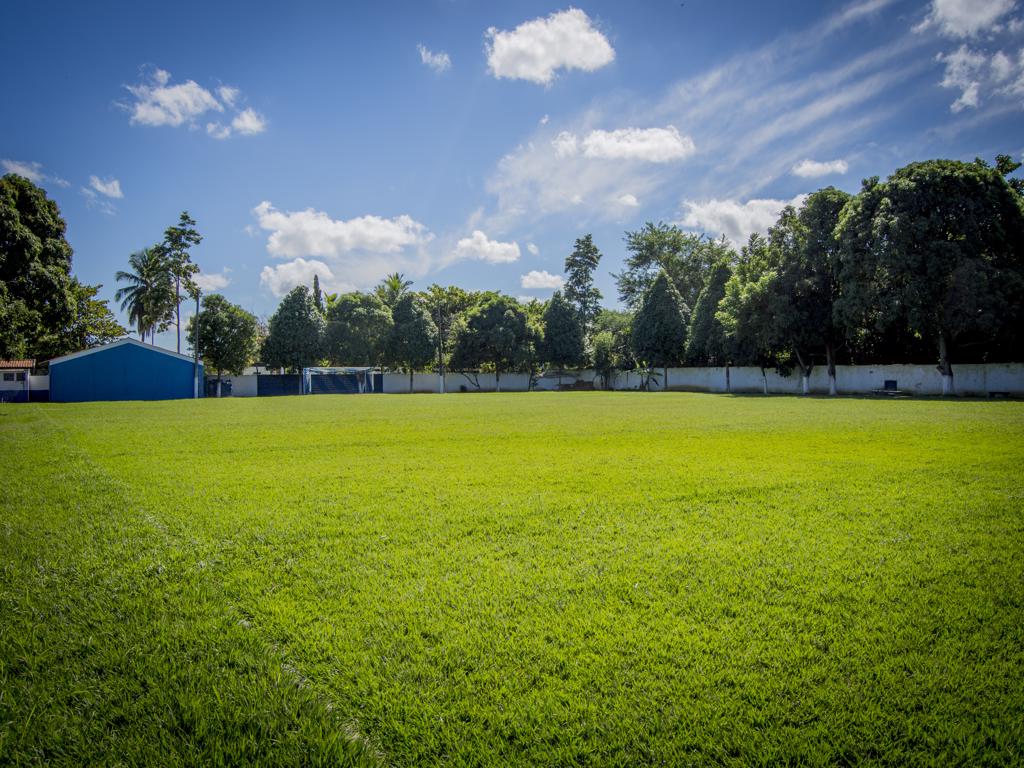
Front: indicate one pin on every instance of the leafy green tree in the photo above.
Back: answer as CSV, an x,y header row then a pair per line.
x,y
295,334
938,248
580,292
149,296
659,328
561,344
36,296
605,356
497,333
392,288
228,336
747,309
358,326
318,296
619,324
413,337
705,340
446,305
686,258
176,246
92,325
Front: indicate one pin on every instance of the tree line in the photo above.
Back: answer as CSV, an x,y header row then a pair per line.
x,y
927,265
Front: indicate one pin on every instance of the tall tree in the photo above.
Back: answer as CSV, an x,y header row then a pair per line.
x,y
358,325
561,344
496,332
392,288
605,357
318,296
938,247
659,328
446,304
413,336
686,258
178,241
36,296
228,336
619,324
148,297
705,339
580,292
295,335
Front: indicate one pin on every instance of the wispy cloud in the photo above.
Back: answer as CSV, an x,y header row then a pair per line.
x,y
32,171
439,62
109,188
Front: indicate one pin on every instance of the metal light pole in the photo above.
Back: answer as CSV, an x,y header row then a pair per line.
x,y
195,363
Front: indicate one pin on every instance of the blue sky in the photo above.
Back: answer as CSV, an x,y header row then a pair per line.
x,y
472,142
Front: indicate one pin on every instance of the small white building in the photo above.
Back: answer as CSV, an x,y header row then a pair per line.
x,y
16,380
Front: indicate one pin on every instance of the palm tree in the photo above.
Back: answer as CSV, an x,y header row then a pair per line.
x,y
392,288
149,296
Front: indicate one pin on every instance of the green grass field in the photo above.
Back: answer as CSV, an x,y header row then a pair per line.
x,y
535,579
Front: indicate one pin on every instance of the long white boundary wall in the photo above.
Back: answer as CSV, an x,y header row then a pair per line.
x,y
968,380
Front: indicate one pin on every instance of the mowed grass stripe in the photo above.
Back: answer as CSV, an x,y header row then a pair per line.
x,y
610,578
116,647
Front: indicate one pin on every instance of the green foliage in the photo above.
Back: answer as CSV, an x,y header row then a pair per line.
x,y
705,340
619,324
495,332
580,292
228,335
659,328
318,296
149,296
93,323
747,309
176,246
686,258
36,295
358,327
937,249
605,358
601,579
412,342
295,334
392,288
561,344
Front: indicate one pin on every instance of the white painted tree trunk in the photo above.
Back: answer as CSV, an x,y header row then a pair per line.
x,y
832,383
805,384
947,384
218,387
497,380
764,378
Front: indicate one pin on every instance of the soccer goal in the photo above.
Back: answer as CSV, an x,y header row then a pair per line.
x,y
341,381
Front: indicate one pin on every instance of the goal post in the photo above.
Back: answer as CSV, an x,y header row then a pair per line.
x,y
337,380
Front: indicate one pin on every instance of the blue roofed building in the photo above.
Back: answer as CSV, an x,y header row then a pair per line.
x,y
123,370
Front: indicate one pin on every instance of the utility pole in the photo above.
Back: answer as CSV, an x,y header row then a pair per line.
x,y
195,363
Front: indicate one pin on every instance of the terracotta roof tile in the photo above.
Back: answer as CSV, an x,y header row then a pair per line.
x,y
17,364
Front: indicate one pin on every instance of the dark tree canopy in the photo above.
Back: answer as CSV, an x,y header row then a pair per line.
x,y
580,292
686,258
705,342
358,326
936,250
228,335
176,246
495,332
562,342
36,295
295,336
659,328
413,337
93,323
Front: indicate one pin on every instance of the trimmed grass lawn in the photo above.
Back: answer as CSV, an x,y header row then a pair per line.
x,y
536,579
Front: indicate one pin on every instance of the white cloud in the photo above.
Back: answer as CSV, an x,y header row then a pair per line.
x,y
564,144
282,278
627,201
737,221
544,120
1002,66
249,122
439,62
93,200
964,71
108,188
212,281
967,18
481,248
541,279
536,49
32,171
533,249
228,94
653,145
810,169
314,233
157,102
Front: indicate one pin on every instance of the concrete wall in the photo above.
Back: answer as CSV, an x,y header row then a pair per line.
x,y
968,380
